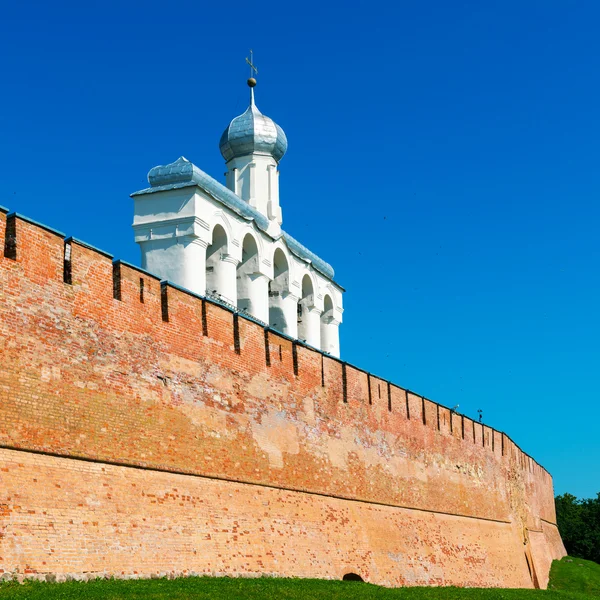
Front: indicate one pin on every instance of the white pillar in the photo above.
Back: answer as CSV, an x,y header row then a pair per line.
x,y
289,304
255,179
252,200
273,208
194,267
227,279
181,260
313,326
259,296
231,180
330,337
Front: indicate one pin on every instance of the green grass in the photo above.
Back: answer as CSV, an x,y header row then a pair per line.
x,y
575,575
576,580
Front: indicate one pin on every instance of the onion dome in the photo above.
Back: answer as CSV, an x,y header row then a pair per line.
x,y
253,132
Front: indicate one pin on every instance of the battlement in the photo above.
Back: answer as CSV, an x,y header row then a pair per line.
x,y
104,362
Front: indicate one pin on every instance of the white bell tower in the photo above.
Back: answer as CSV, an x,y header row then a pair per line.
x,y
225,242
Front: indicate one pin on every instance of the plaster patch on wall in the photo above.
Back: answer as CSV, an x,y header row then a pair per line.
x,y
369,455
182,366
211,421
275,435
219,379
339,448
396,557
308,405
262,387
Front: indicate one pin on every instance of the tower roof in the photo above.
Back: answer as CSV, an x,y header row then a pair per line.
x,y
253,132
182,173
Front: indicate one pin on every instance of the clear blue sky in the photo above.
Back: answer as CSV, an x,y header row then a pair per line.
x,y
443,157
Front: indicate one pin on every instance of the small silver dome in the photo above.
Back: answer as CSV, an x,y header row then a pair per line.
x,y
253,132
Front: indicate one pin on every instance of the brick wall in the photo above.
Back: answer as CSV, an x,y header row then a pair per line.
x,y
99,389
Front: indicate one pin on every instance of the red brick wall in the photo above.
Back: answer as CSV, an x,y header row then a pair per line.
x,y
163,385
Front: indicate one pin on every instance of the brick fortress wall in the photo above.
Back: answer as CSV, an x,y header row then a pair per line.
x,y
147,431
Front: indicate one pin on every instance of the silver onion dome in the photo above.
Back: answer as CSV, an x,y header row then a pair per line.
x,y
253,132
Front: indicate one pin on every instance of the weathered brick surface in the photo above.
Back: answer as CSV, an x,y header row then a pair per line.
x,y
64,516
163,385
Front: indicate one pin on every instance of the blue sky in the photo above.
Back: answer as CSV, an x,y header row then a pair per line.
x,y
443,157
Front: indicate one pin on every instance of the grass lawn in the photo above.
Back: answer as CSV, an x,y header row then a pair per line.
x,y
575,580
575,575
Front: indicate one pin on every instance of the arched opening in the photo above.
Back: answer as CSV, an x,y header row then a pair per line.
x,y
352,577
327,333
214,264
247,274
306,302
277,288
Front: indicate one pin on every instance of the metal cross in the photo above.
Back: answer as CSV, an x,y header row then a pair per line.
x,y
250,62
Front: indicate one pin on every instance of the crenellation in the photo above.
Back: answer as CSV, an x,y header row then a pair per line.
x,y
377,410
25,219
497,444
310,370
92,277
469,431
478,429
352,389
397,400
444,424
38,249
415,406
184,325
484,436
220,325
72,240
283,370
456,425
430,413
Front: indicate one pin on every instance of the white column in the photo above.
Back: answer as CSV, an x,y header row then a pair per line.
x,y
273,208
313,326
289,304
252,200
231,180
194,266
330,341
259,296
227,278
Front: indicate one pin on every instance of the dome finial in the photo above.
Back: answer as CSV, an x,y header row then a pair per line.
x,y
251,81
252,132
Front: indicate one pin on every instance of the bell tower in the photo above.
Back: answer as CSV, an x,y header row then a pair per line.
x,y
225,242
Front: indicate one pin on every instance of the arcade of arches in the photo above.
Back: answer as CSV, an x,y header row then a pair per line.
x,y
241,284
